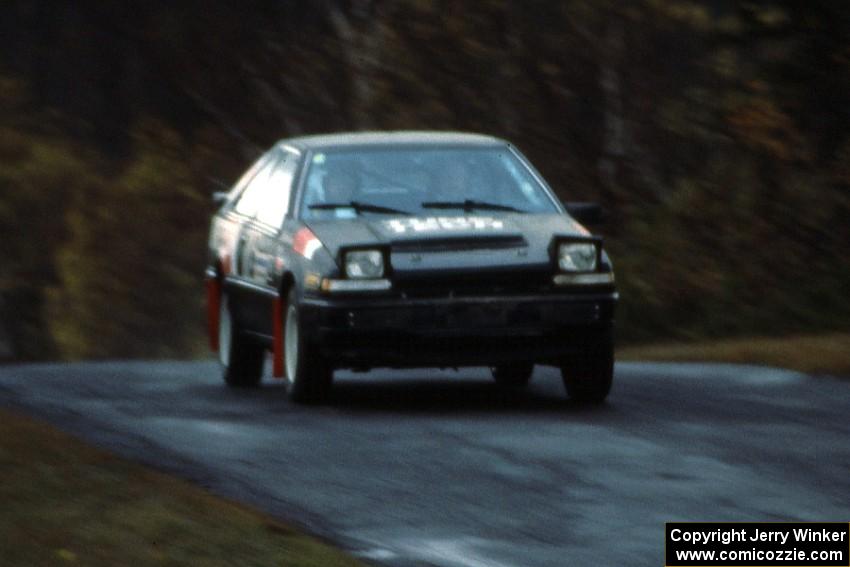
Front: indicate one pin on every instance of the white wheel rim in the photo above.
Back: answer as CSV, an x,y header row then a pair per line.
x,y
224,332
291,343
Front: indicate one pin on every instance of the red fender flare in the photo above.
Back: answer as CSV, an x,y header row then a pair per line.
x,y
213,309
278,308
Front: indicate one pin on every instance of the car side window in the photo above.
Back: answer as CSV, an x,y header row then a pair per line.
x,y
250,199
246,178
275,198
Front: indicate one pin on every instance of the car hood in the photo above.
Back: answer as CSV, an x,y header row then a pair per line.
x,y
471,242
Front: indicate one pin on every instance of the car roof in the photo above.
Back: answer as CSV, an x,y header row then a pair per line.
x,y
391,138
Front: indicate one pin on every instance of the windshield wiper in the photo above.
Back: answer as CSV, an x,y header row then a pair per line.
x,y
360,208
470,205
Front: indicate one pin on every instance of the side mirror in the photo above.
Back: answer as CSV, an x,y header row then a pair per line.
x,y
585,213
219,198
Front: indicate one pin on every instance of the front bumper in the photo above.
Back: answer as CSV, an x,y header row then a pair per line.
x,y
459,331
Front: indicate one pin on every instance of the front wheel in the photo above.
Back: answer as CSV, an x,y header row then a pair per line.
x,y
241,359
308,375
589,374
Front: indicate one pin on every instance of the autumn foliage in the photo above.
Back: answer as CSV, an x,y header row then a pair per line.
x,y
716,134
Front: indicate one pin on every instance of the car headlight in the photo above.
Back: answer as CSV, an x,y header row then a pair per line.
x,y
364,264
577,257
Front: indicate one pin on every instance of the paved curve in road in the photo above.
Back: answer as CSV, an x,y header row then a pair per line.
x,y
443,468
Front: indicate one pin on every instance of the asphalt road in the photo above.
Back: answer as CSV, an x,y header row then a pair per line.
x,y
442,468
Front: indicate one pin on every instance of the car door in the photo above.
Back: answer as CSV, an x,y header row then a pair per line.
x,y
227,222
248,299
265,242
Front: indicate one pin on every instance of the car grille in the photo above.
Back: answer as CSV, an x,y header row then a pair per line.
x,y
475,285
456,244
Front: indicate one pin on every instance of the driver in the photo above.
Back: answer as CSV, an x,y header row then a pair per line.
x,y
340,185
454,182
457,182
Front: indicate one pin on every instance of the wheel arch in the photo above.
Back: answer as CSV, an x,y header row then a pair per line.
x,y
279,306
287,281
214,279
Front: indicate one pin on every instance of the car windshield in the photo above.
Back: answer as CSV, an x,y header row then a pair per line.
x,y
420,181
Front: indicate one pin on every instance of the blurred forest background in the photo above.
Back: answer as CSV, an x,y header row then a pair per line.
x,y
716,134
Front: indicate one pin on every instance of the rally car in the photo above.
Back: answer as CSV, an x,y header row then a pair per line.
x,y
406,249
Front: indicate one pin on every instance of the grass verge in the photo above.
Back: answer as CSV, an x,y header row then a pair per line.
x,y
67,503
822,354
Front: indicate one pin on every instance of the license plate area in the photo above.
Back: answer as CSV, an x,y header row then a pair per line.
x,y
478,315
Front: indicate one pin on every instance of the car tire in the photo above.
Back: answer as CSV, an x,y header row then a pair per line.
x,y
512,375
588,375
309,377
241,359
